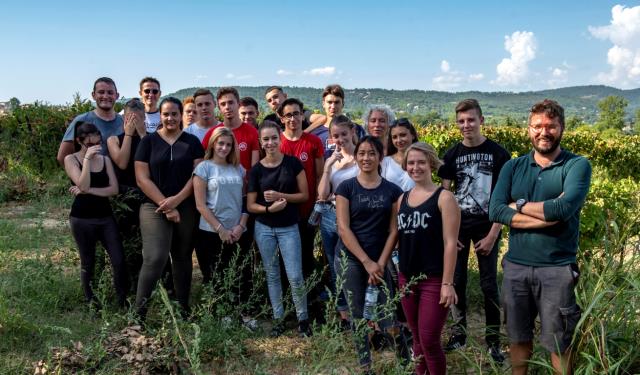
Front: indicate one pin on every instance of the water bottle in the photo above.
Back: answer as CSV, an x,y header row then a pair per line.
x,y
370,302
395,258
314,218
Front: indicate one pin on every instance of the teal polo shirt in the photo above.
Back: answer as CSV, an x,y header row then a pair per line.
x,y
555,245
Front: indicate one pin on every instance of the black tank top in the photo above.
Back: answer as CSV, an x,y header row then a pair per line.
x,y
88,206
421,246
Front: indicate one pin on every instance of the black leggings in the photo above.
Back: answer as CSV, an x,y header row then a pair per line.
x,y
87,233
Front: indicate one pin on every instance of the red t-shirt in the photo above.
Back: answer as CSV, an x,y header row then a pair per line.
x,y
246,138
308,148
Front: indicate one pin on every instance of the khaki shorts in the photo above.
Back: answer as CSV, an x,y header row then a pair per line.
x,y
548,291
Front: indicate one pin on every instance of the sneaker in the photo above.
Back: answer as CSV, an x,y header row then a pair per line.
x,y
496,354
455,342
250,323
304,329
278,329
226,322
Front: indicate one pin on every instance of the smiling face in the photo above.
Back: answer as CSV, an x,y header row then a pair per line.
x,y
401,138
150,93
545,133
248,114
105,95
270,140
342,135
292,117
222,147
418,166
368,158
378,124
170,117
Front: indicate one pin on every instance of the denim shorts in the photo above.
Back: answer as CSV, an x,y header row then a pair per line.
x,y
548,291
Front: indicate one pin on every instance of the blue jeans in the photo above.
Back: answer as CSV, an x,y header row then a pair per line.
x,y
287,239
329,234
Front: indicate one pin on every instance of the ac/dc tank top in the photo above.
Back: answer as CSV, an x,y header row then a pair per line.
x,y
89,206
421,246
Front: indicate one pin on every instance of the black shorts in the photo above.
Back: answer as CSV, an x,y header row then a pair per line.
x,y
528,291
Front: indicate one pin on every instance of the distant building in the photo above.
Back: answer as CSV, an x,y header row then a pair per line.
x,y
4,107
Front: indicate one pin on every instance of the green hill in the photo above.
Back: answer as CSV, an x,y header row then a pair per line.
x,y
579,100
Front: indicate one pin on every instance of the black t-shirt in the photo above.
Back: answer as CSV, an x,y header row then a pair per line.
x,y
89,206
274,118
421,245
281,179
170,166
474,172
127,176
369,214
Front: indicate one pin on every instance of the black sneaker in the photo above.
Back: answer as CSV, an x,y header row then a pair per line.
x,y
278,329
455,342
496,354
304,329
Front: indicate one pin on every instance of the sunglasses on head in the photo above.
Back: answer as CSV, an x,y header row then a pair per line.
x,y
402,122
153,91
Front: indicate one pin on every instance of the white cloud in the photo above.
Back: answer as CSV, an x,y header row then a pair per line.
x,y
444,66
325,71
452,79
238,77
282,72
559,77
624,57
522,46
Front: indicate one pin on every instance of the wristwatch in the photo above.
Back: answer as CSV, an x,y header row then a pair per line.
x,y
519,204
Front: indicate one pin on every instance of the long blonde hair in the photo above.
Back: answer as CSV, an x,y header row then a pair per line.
x,y
221,131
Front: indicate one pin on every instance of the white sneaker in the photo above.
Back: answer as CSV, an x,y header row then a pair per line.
x,y
250,323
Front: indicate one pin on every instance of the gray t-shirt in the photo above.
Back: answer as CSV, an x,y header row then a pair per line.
x,y
196,130
224,192
106,128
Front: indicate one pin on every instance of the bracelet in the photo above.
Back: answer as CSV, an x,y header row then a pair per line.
x,y
244,227
128,135
218,228
449,284
86,158
266,209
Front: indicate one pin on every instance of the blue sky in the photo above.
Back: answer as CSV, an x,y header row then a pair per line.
x,y
50,51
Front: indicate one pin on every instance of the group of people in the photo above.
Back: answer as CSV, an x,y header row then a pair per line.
x,y
227,188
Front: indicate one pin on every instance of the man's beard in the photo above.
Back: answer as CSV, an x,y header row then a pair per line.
x,y
555,143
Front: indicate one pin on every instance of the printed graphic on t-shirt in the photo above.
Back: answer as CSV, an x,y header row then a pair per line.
x,y
371,201
474,176
242,146
215,181
408,223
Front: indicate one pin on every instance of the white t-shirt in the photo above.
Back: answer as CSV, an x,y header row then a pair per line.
x,y
152,121
342,174
392,172
224,192
196,130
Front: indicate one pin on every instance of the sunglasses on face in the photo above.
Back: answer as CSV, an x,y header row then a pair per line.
x,y
153,91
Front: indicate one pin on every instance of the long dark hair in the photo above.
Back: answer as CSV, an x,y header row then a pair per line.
x,y
81,131
405,123
377,145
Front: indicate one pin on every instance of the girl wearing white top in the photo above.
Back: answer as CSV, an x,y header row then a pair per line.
x,y
340,166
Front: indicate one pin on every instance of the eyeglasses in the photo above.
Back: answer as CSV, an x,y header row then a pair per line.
x,y
153,91
291,115
550,128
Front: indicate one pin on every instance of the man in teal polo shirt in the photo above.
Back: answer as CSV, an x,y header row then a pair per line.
x,y
539,196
